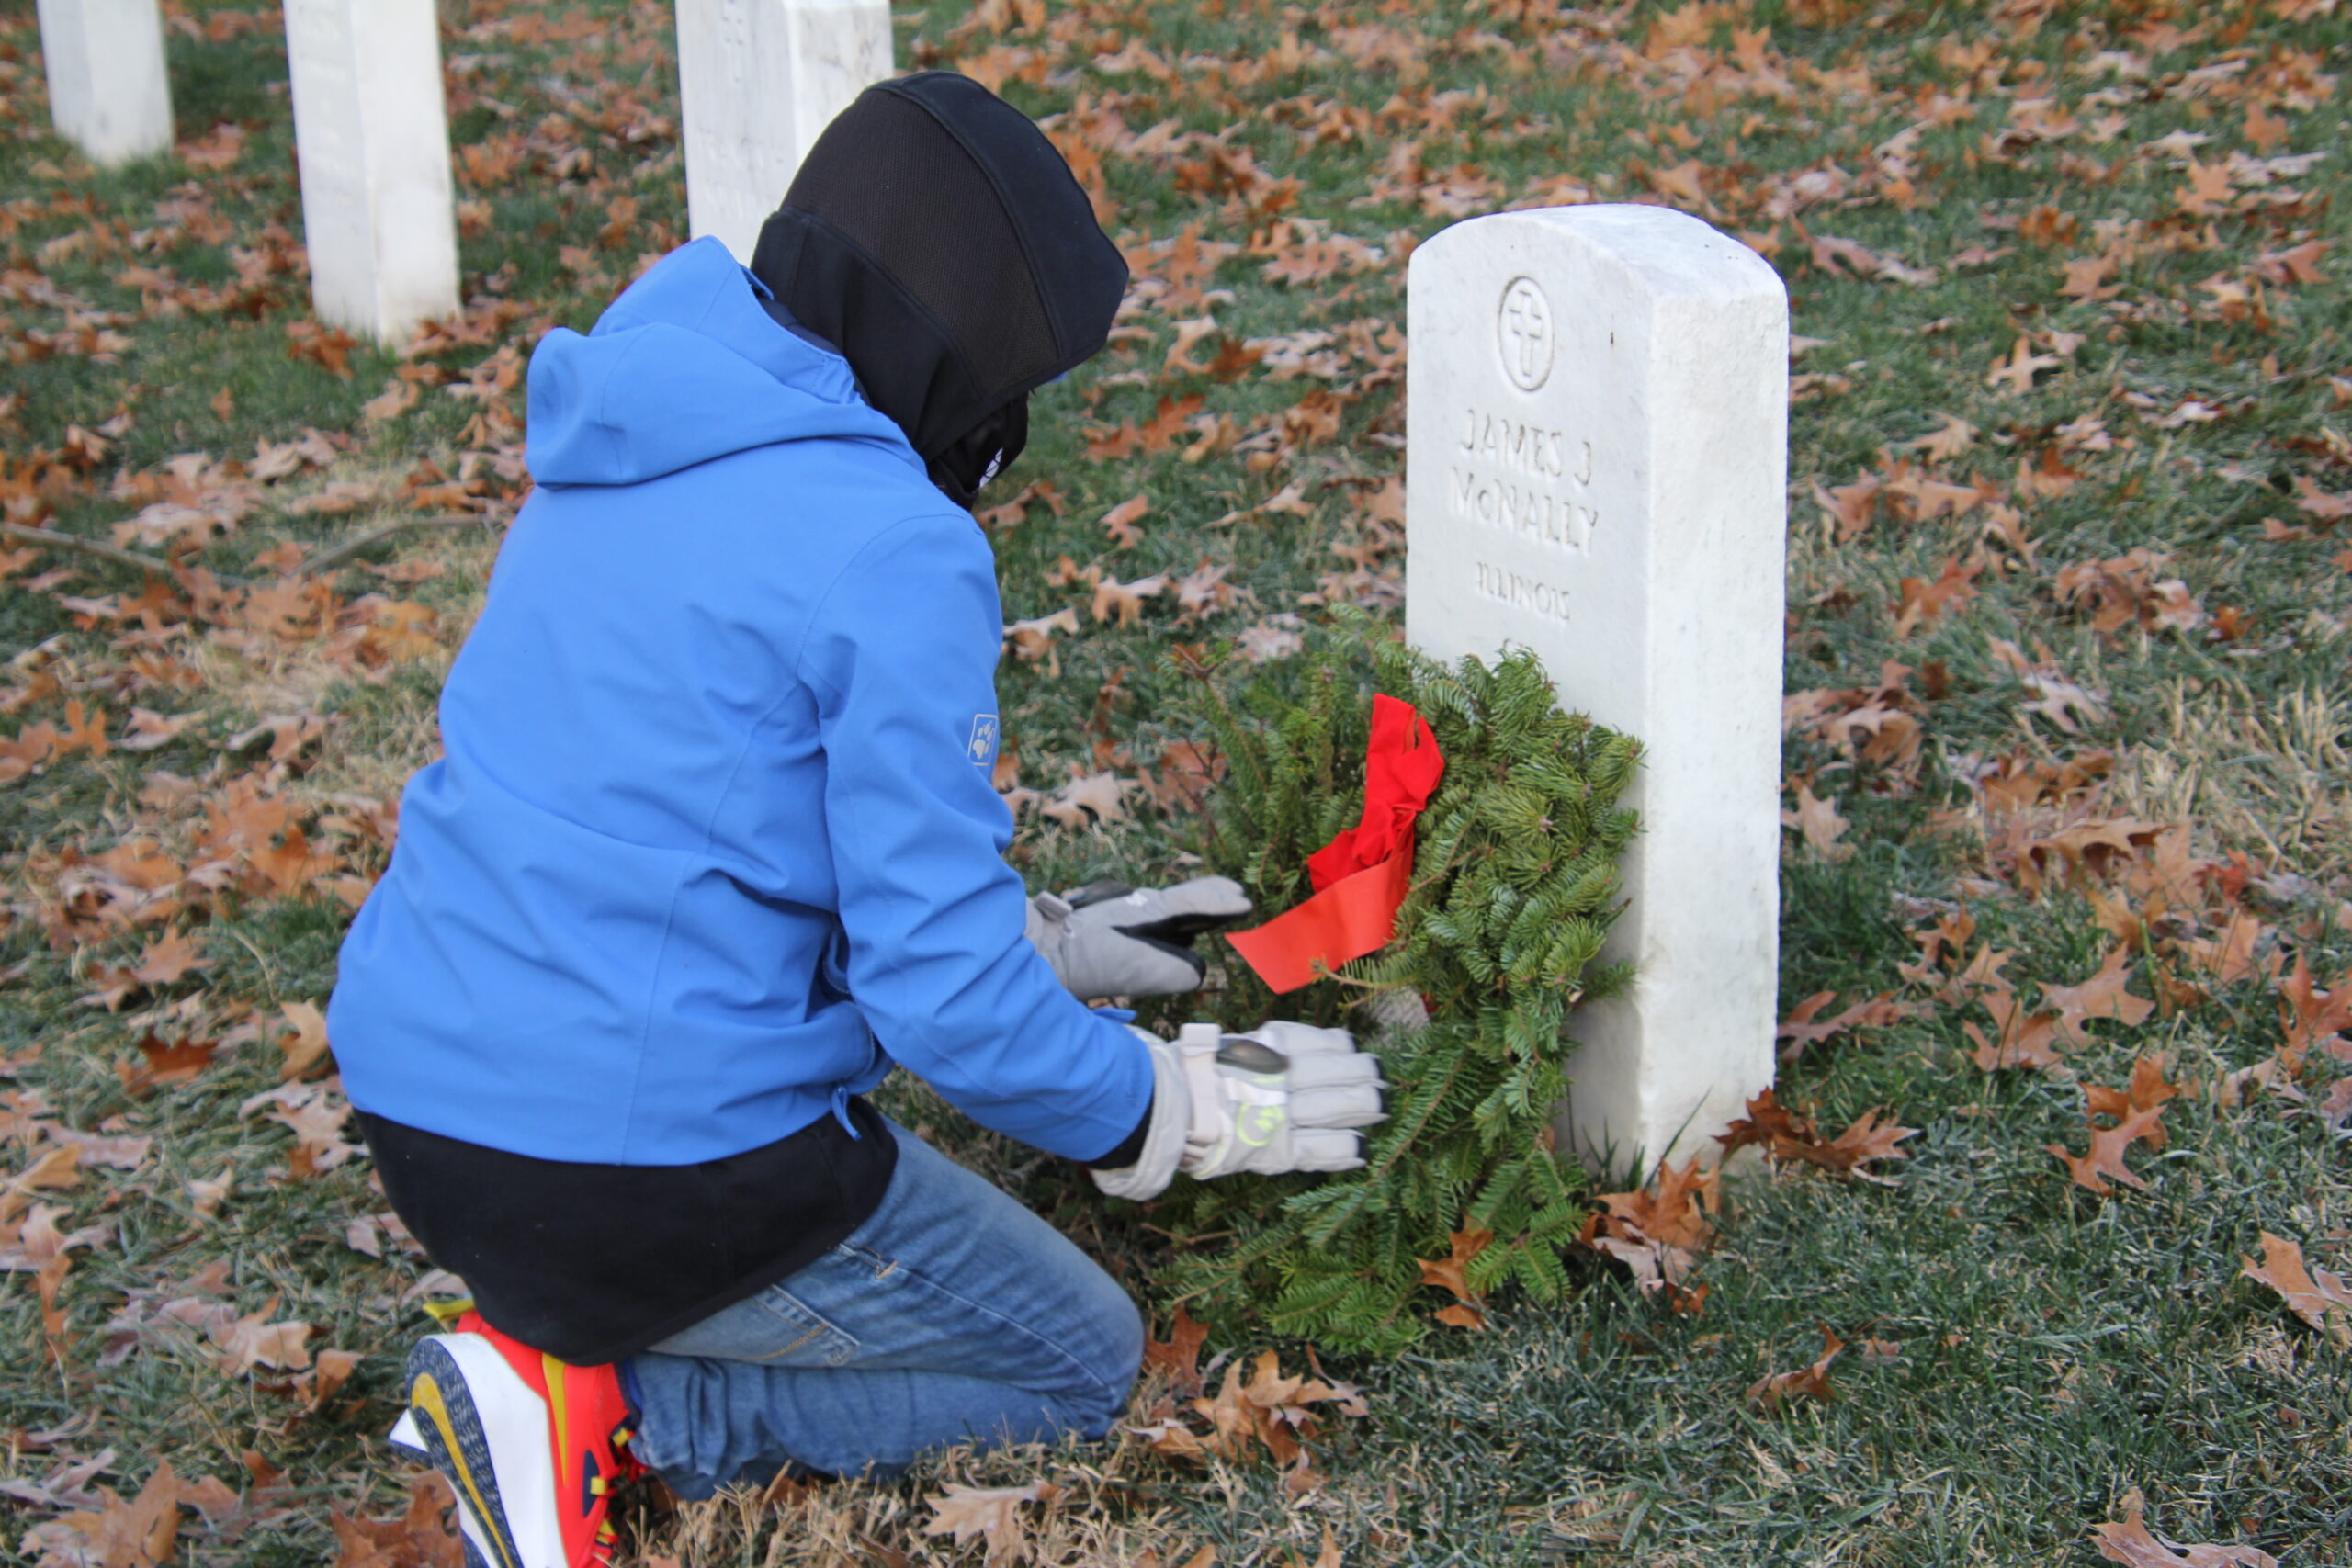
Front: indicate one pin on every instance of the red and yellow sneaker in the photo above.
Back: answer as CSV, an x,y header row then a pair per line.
x,y
533,1446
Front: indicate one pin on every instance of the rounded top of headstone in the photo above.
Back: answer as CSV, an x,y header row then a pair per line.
x,y
1670,251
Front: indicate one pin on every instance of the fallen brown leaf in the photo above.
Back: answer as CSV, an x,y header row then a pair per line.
x,y
1448,1273
1767,1394
2148,1090
2322,1298
1178,1357
423,1536
989,1513
2106,1156
2127,1540
116,1534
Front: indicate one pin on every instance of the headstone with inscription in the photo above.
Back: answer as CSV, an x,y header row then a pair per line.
x,y
108,92
372,143
1597,470
757,81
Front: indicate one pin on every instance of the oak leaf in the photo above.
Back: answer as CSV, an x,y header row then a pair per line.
x,y
398,397
2147,1091
988,1513
1948,440
2321,1298
116,1534
1923,603
58,1168
2109,1145
423,1536
2104,994
122,1151
1767,1394
150,729
1450,1273
2015,373
1119,523
1178,1357
1800,1030
85,730
1658,1231
1784,1134
2128,1540
1233,360
1125,600
2309,1016
251,1341
37,1245
2022,1040
305,1041
1270,640
1034,638
1094,799
1818,820
316,1115
173,1063
327,347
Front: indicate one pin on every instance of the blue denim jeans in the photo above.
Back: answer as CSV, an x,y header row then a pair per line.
x,y
952,1315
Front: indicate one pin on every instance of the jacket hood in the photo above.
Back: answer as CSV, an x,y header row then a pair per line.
x,y
937,236
686,365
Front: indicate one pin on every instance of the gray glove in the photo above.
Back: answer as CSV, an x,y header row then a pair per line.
x,y
1109,939
1284,1097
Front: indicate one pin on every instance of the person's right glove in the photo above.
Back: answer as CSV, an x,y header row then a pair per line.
x,y
1284,1097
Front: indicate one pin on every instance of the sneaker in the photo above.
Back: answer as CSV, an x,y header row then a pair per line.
x,y
532,1446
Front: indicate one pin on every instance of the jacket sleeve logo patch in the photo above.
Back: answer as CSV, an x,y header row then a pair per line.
x,y
981,748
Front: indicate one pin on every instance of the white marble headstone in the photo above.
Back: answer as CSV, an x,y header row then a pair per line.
x,y
108,92
758,80
1597,470
371,137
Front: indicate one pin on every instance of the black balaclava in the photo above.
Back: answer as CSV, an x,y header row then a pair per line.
x,y
936,237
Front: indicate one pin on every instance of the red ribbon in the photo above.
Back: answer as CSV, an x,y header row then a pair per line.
x,y
1360,877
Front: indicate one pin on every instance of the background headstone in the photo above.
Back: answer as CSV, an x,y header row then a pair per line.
x,y
757,81
371,137
1596,469
108,92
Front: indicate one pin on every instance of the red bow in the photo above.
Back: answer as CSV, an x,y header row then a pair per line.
x,y
1360,877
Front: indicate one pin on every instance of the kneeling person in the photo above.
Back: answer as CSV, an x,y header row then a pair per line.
x,y
714,844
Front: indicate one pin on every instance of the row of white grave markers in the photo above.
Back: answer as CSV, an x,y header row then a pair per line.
x,y
758,78
1596,457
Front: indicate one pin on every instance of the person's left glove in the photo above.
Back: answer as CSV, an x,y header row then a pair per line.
x,y
1109,939
1284,1098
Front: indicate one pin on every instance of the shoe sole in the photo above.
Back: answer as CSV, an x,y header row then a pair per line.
x,y
512,1513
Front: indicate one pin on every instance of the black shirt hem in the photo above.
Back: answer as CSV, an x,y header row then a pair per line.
x,y
591,1263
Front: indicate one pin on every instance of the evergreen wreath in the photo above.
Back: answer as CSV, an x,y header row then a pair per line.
x,y
1515,887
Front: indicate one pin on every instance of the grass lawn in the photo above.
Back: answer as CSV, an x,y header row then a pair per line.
x,y
2066,661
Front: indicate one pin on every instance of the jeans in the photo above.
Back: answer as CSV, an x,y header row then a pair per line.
x,y
952,1315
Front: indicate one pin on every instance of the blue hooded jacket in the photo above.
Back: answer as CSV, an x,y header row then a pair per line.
x,y
714,840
